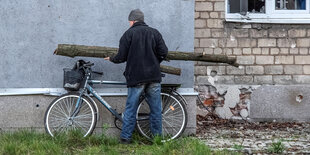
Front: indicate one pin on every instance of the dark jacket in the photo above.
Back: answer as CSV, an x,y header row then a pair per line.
x,y
143,48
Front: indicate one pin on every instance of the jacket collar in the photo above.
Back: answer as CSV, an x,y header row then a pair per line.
x,y
139,24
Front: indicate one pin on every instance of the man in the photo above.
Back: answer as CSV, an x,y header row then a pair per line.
x,y
143,48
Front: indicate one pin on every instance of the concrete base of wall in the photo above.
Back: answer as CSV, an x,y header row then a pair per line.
x,y
19,112
281,103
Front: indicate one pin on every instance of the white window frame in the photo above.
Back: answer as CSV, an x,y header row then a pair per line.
x,y
271,15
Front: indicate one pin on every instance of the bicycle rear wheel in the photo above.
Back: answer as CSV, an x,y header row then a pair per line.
x,y
174,118
58,115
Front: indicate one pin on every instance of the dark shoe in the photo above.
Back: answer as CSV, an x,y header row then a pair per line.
x,y
125,141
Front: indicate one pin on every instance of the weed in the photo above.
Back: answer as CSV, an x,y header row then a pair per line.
x,y
238,147
276,147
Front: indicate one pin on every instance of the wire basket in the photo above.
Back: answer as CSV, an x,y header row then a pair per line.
x,y
72,79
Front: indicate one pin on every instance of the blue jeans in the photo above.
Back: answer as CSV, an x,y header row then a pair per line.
x,y
152,94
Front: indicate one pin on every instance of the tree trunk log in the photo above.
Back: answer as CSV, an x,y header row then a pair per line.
x,y
102,52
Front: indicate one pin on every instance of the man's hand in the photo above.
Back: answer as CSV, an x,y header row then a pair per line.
x,y
107,58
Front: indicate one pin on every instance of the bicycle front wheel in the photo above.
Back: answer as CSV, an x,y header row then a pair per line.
x,y
174,118
58,117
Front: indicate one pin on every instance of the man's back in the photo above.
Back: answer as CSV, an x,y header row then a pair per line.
x,y
143,48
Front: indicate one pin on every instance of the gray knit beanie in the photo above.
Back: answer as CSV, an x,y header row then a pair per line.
x,y
136,15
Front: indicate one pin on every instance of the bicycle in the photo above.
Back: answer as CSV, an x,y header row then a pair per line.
x,y
77,110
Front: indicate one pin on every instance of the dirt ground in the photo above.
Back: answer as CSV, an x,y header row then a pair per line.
x,y
255,137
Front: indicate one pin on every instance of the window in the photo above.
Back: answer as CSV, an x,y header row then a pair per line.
x,y
268,11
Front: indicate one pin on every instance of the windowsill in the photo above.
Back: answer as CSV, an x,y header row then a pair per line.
x,y
274,20
265,18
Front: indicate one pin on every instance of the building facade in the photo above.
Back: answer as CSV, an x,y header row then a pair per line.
x,y
271,41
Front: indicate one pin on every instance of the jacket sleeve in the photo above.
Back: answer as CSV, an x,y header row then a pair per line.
x,y
122,54
161,48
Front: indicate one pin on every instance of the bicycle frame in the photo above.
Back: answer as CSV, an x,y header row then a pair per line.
x,y
99,98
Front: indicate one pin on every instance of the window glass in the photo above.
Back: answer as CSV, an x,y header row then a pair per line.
x,y
290,4
243,6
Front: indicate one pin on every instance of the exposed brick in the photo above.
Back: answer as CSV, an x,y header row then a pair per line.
x,y
294,50
225,79
276,69
198,50
305,42
257,51
222,42
282,79
227,51
202,33
204,15
278,33
283,50
214,15
253,43
240,32
222,15
306,69
244,79
215,23
254,70
284,59
237,51
221,70
297,33
258,33
301,79
218,51
302,59
244,42
208,50
203,6
246,51
200,23
293,69
234,70
264,59
303,51
231,43
208,42
216,33
265,51
267,42
264,79
219,6
200,70
197,15
202,80
196,42
286,43
244,60
274,51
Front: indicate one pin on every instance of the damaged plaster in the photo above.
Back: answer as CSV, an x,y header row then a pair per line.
x,y
225,101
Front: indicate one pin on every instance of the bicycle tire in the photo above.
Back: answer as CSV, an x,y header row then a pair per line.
x,y
57,117
174,118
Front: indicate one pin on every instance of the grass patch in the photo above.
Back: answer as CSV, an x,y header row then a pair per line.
x,y
276,147
31,142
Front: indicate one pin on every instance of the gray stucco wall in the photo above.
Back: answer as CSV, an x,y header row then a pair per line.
x,y
31,29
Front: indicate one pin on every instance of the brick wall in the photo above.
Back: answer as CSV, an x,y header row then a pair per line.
x,y
269,53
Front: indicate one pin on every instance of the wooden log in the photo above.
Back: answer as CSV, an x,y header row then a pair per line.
x,y
96,51
102,52
170,70
99,51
